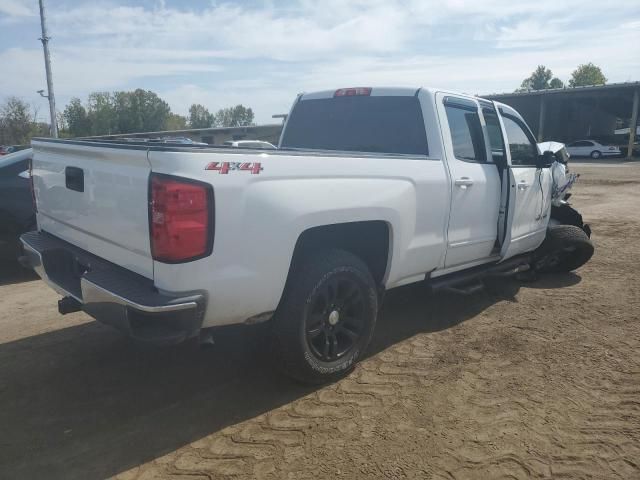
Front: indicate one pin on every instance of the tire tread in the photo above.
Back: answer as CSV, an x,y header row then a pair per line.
x,y
563,235
305,276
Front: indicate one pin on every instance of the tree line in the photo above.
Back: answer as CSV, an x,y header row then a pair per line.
x,y
18,122
120,112
542,78
112,113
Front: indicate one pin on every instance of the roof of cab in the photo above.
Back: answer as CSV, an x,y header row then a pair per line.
x,y
385,91
375,92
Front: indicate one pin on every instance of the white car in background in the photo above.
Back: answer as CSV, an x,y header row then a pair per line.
x,y
593,149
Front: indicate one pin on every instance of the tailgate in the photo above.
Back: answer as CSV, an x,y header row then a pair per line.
x,y
95,197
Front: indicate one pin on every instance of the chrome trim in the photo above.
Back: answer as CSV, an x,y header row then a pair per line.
x,y
468,243
92,293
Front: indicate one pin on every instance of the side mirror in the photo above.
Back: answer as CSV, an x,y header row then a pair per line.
x,y
545,160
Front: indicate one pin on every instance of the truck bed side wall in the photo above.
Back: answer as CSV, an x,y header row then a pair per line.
x,y
259,218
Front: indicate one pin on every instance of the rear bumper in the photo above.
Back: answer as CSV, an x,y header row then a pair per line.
x,y
113,294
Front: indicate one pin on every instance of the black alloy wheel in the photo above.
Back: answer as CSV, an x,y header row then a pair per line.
x,y
335,320
326,317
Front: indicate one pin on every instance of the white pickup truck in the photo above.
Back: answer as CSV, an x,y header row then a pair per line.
x,y
369,189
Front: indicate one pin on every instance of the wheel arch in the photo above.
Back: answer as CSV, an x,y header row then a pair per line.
x,y
369,240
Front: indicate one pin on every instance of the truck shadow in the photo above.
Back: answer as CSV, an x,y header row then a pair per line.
x,y
83,402
12,272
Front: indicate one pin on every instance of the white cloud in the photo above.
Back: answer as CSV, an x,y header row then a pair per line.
x,y
223,53
16,8
239,32
79,70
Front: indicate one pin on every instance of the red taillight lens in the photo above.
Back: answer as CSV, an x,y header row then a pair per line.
x,y
181,219
352,92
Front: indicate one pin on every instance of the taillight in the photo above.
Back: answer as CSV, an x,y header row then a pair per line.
x,y
352,92
181,219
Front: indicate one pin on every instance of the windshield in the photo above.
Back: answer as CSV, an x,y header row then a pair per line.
x,y
385,124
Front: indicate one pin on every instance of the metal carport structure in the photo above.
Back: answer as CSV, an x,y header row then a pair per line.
x,y
569,114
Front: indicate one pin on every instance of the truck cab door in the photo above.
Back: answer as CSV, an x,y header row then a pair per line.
x,y
529,195
475,182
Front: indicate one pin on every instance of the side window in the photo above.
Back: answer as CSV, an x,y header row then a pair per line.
x,y
466,134
523,150
496,142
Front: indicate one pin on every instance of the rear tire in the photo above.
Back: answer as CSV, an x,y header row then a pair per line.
x,y
326,318
596,154
565,248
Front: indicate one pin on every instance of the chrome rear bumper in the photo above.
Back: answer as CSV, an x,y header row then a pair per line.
x,y
113,294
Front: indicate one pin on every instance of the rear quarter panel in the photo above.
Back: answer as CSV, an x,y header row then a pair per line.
x,y
259,217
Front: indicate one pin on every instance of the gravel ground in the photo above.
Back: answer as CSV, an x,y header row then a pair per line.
x,y
531,380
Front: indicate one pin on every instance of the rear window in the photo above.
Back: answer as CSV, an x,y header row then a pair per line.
x,y
358,124
466,134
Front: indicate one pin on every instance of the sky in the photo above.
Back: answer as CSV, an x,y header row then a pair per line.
x,y
262,53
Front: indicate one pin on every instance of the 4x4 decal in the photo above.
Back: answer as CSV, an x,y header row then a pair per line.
x,y
226,167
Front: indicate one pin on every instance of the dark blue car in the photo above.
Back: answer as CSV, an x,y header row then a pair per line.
x,y
17,214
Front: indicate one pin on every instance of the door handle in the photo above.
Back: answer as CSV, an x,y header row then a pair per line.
x,y
463,182
523,185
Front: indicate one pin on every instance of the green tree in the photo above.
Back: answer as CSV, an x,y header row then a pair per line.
x,y
238,116
588,74
175,122
556,83
200,117
76,119
16,121
121,112
540,79
140,111
101,112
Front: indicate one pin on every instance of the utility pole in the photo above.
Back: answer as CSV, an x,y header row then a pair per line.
x,y
47,67
633,124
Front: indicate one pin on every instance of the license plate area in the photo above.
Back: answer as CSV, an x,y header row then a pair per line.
x,y
65,269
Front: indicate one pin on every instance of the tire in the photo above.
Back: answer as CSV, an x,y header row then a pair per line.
x,y
311,342
596,154
566,248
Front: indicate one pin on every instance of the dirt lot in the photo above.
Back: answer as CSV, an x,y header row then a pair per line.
x,y
537,380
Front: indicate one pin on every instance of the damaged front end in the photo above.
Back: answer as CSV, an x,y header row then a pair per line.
x,y
567,245
562,213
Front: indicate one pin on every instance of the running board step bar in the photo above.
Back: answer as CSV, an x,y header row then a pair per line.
x,y
525,267
468,282
466,289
